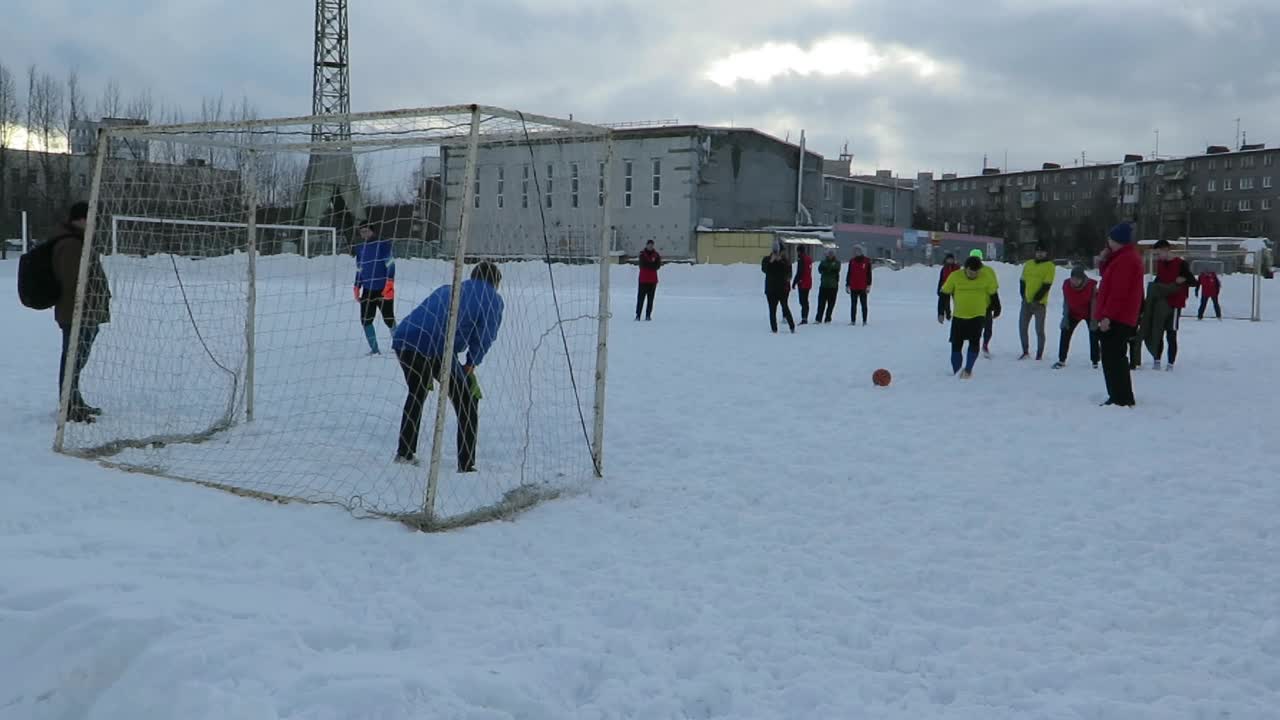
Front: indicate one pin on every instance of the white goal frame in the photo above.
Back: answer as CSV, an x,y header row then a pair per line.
x,y
468,136
306,235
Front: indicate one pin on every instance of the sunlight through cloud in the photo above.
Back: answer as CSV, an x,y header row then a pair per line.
x,y
830,57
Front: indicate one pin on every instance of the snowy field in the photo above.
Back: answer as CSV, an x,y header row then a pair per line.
x,y
776,538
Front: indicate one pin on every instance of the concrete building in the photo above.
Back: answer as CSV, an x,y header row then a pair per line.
x,y
667,182
880,200
1221,192
84,139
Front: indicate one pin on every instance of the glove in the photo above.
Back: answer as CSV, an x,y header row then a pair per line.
x,y
355,290
473,384
389,290
995,306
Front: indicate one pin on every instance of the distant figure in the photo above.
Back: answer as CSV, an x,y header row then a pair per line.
x,y
1037,280
777,285
857,283
1116,310
1209,288
419,341
1174,275
68,247
375,283
1078,295
828,289
949,266
804,281
973,291
650,262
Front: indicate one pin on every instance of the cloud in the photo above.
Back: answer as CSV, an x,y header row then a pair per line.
x,y
925,85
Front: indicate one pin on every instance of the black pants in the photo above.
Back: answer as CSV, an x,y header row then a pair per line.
x,y
966,330
1171,334
420,372
371,301
855,297
804,304
988,327
87,335
1064,342
776,299
1204,303
1115,363
944,305
645,293
826,303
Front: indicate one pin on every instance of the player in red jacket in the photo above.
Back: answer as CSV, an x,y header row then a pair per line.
x,y
1116,311
1209,288
804,281
857,283
649,261
1173,270
1078,293
949,266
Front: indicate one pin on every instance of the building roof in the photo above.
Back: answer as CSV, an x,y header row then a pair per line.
x,y
691,129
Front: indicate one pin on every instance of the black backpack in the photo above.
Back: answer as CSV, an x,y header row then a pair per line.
x,y
38,286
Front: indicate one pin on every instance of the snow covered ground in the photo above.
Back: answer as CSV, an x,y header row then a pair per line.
x,y
776,538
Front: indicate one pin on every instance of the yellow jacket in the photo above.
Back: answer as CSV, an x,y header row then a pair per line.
x,y
1037,275
972,297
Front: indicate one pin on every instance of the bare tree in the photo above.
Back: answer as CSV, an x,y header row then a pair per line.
x,y
10,113
109,103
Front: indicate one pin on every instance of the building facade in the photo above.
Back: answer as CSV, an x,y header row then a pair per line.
x,y
667,182
880,200
1221,192
84,139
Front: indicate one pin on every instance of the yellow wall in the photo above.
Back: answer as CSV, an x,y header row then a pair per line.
x,y
737,246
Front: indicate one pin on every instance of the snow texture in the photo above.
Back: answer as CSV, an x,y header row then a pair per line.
x,y
776,538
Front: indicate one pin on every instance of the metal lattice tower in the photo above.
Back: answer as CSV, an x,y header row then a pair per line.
x,y
332,192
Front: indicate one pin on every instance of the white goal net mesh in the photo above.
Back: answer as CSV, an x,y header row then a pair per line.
x,y
1232,279
239,298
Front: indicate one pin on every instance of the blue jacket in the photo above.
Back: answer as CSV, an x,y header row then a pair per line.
x,y
479,317
375,264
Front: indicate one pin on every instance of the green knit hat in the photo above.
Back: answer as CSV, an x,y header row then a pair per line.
x,y
975,253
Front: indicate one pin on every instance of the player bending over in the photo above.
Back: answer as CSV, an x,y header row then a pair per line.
x,y
974,292
419,341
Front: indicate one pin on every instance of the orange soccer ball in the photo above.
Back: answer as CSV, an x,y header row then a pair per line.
x,y
881,377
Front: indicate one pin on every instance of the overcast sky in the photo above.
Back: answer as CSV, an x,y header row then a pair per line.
x,y
909,84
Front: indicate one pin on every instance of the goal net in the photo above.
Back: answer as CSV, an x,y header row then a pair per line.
x,y
1241,274
268,308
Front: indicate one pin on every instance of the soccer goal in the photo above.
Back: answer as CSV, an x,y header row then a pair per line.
x,y
206,356
1241,273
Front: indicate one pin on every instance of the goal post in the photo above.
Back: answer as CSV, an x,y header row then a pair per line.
x,y
203,355
1241,272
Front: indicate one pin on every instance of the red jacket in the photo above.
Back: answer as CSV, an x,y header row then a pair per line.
x,y
1079,300
944,273
1210,285
650,261
1120,293
804,272
859,276
1168,272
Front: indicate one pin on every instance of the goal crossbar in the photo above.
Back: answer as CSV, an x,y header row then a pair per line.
x,y
304,229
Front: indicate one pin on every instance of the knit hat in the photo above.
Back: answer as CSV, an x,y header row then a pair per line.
x,y
1121,234
79,211
975,253
859,250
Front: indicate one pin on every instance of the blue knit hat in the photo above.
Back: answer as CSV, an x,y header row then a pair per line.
x,y
1121,234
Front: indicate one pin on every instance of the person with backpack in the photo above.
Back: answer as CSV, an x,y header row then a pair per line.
x,y
1209,288
48,277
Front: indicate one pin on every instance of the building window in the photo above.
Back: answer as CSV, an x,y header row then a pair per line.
x,y
524,188
502,181
1268,160
1212,186
573,184
826,190
1246,205
1226,206
1226,184
551,182
475,191
600,187
1226,163
1213,163
1248,161
1266,203
1246,183
627,167
84,180
657,182
1266,180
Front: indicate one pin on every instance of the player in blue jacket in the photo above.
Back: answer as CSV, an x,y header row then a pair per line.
x,y
375,283
418,342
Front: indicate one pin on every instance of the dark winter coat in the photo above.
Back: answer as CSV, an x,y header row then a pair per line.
x,y
1156,312
829,272
66,268
777,275
650,261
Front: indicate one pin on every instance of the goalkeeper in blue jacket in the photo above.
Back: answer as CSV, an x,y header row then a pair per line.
x,y
418,342
375,283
